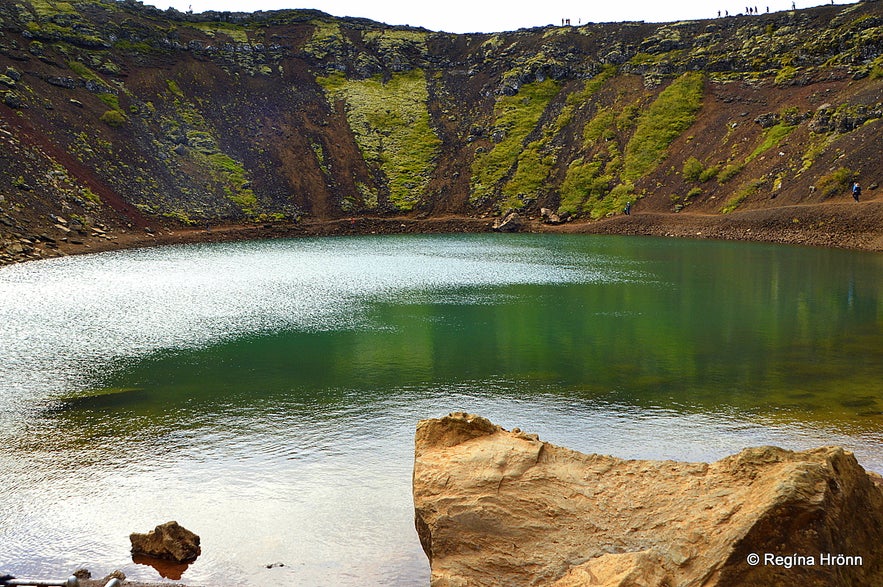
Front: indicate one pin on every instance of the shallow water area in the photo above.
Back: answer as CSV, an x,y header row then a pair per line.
x,y
265,394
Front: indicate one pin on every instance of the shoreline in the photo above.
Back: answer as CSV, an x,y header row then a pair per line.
x,y
838,225
834,225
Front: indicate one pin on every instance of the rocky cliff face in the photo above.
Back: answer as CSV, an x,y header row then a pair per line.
x,y
504,508
114,115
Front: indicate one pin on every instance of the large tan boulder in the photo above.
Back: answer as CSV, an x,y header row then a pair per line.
x,y
502,508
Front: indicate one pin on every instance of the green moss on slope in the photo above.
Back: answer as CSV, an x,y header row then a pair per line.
x,y
771,137
516,116
226,173
327,39
391,125
537,160
672,113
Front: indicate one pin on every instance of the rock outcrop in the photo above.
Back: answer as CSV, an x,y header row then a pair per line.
x,y
168,541
512,222
503,508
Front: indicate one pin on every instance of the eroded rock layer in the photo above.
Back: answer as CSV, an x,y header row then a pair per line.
x,y
495,507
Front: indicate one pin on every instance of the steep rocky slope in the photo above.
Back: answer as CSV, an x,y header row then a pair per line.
x,y
117,117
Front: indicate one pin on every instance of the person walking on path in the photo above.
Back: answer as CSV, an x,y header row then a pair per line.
x,y
856,191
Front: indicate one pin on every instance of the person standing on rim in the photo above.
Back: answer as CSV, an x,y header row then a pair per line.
x,y
856,191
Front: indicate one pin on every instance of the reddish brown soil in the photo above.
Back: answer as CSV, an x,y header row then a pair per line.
x,y
846,225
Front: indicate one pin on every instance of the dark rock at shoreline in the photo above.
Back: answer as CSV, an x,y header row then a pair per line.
x,y
503,508
512,222
168,541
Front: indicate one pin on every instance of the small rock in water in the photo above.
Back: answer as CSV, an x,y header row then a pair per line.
x,y
117,574
168,541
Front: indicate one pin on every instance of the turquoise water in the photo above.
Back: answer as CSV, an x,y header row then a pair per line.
x,y
265,394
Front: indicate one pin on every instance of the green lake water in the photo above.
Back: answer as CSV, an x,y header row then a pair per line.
x,y
265,394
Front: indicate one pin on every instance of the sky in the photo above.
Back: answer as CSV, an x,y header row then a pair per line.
x,y
467,16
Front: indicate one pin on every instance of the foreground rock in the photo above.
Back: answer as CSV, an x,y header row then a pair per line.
x,y
168,541
503,508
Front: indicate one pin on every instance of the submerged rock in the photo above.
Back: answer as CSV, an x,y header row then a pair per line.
x,y
168,541
503,508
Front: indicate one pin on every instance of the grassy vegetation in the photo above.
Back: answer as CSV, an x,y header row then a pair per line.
x,y
538,158
815,149
226,173
174,88
391,124
729,172
126,46
771,137
530,174
213,29
180,216
587,183
785,75
89,195
692,169
234,178
517,116
327,39
834,182
113,118
584,186
587,187
49,30
741,195
110,98
47,8
709,173
111,101
601,126
395,39
666,119
84,72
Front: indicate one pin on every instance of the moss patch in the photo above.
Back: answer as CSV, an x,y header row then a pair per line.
x,y
113,118
539,157
672,113
742,194
834,182
327,39
213,29
584,185
771,137
391,125
516,117
226,173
